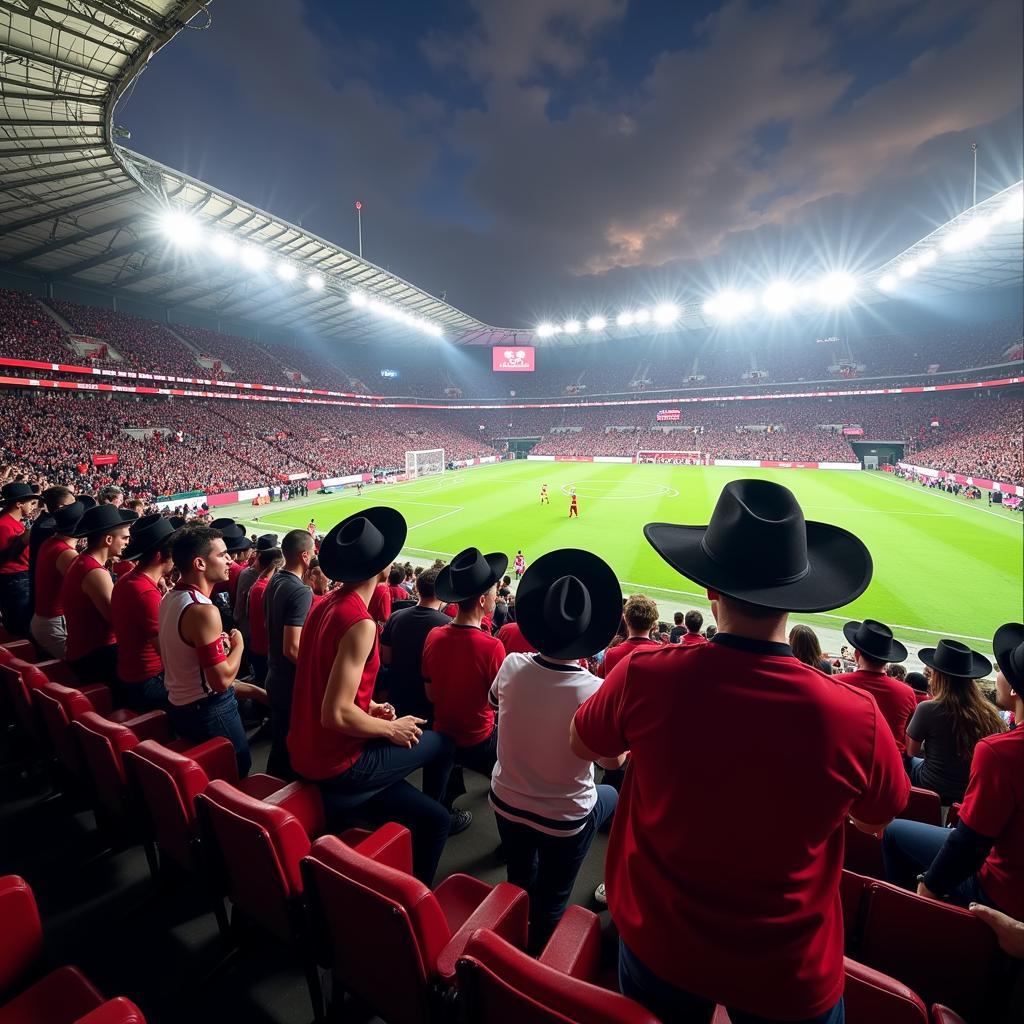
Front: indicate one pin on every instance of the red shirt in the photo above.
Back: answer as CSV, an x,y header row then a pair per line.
x,y
692,640
615,654
895,700
87,629
762,933
122,567
230,585
994,807
259,643
512,639
399,594
380,604
459,664
317,752
135,607
10,529
49,578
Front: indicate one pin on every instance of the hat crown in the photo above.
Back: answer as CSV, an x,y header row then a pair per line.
x,y
953,656
759,526
359,538
67,516
469,570
567,607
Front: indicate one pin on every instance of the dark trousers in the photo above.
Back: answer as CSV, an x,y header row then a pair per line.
x,y
480,758
908,849
98,666
216,715
546,866
149,695
673,1005
279,690
259,667
375,789
15,602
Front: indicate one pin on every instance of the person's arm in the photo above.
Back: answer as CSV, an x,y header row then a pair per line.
x,y
1009,933
597,730
385,654
98,587
290,641
201,627
961,855
340,711
914,747
917,729
295,614
888,786
385,643
64,560
14,545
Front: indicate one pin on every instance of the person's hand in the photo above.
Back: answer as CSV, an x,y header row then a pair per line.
x,y
406,731
235,640
385,711
1009,933
248,690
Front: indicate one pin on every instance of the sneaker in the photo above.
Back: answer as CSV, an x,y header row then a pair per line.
x,y
461,820
600,896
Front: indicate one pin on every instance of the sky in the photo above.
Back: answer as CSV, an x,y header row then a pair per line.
x,y
537,159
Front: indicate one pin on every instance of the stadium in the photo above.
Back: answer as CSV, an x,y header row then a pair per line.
x,y
179,363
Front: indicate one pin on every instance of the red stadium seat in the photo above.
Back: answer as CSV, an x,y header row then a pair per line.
x,y
944,1015
863,852
853,890
409,938
872,997
923,805
114,1011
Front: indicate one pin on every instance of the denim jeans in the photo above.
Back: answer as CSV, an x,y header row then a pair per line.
x,y
216,715
673,1005
279,690
15,603
149,695
914,770
376,789
908,849
546,866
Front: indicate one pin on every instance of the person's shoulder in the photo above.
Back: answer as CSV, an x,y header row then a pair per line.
x,y
1002,746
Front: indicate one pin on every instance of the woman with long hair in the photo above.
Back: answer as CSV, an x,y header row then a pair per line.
x,y
946,729
804,642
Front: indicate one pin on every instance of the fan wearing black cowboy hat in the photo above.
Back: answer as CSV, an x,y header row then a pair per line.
x,y
461,659
86,591
239,546
943,731
546,804
246,578
981,861
19,502
734,909
135,605
53,559
875,647
52,498
359,751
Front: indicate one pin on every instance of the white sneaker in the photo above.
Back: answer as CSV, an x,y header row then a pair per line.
x,y
600,896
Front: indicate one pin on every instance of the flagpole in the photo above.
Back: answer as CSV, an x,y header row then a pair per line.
x,y
359,220
974,182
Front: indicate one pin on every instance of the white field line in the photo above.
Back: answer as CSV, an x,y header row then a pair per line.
x,y
452,509
980,506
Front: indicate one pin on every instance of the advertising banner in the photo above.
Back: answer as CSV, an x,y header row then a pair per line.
x,y
669,415
512,359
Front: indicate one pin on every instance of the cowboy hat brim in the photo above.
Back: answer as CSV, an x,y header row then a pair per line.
x,y
343,568
839,568
1007,639
980,665
83,529
894,655
136,549
497,563
601,583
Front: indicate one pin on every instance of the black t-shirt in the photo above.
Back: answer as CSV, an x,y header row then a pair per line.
x,y
675,634
405,633
286,603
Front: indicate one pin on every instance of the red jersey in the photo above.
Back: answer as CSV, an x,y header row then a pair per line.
x,y
399,594
615,654
10,530
380,604
512,639
692,640
895,700
122,567
135,608
994,807
763,934
259,642
317,752
88,631
49,578
459,664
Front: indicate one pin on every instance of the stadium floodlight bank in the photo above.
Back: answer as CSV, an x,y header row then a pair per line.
x,y
429,462
671,458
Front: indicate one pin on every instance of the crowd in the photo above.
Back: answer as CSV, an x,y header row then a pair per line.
x,y
26,332
371,671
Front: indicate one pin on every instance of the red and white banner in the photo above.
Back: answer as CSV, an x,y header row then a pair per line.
x,y
512,359
104,460
669,415
965,481
853,431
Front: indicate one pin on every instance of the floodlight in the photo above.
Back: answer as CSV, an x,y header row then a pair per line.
x,y
967,235
433,329
596,323
729,304
666,313
545,330
223,246
357,299
888,283
779,296
253,258
908,268
1013,209
624,319
286,272
641,316
180,228
836,288
315,282
571,327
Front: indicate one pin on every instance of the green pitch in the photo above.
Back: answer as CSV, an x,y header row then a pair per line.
x,y
943,566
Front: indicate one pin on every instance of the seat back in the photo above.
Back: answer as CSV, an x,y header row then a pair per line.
x,y
22,650
945,954
872,997
504,985
262,844
169,783
21,937
390,958
114,1011
103,744
59,706
862,852
923,805
853,889
18,679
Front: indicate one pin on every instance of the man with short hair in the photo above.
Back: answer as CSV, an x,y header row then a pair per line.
x,y
703,916
675,634
640,614
286,604
873,648
693,620
19,502
110,495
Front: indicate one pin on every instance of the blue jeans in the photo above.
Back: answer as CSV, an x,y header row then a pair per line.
x,y
376,789
914,766
149,695
908,849
546,866
673,1005
216,715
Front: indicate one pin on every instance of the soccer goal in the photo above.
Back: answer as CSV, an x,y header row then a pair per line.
x,y
670,458
429,462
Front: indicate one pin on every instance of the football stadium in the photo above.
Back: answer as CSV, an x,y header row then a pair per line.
x,y
657,657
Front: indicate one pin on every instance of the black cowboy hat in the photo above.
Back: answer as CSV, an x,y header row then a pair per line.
x,y
64,519
102,517
363,544
234,535
569,603
758,548
266,541
147,534
952,658
18,491
222,523
469,574
86,500
875,639
1008,645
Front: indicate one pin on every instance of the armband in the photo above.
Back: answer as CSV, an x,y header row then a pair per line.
x,y
211,654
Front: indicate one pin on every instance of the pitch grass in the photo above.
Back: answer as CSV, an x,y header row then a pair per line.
x,y
943,566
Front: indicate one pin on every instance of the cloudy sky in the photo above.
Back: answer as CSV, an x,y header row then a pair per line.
x,y
535,158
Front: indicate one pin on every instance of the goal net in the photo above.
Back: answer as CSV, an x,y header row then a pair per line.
x,y
671,458
429,462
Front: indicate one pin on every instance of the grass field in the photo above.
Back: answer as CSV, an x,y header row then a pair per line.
x,y
943,566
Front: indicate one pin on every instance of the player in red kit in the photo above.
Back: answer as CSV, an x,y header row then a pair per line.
x,y
573,507
544,499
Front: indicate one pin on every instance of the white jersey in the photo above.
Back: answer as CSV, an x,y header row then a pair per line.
x,y
185,681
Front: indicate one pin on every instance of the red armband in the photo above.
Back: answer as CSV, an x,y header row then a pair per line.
x,y
211,654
